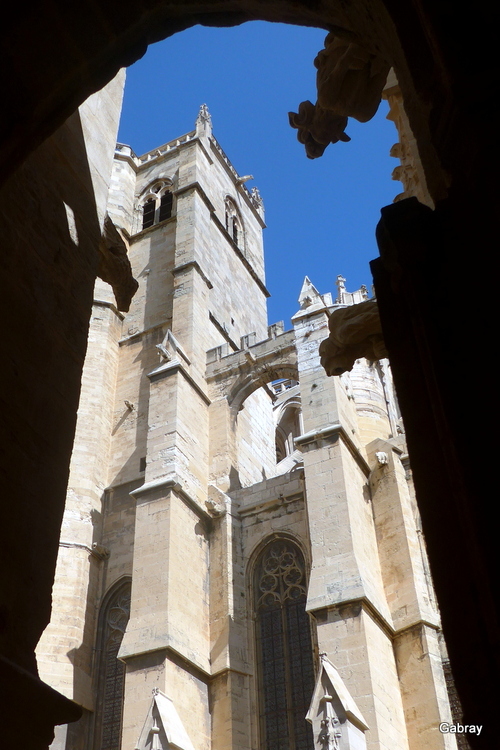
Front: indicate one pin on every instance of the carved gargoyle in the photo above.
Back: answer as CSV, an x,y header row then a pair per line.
x,y
355,332
350,78
317,128
114,265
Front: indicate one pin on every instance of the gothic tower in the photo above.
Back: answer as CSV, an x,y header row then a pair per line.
x,y
233,513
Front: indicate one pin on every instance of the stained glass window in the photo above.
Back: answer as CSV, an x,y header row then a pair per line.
x,y
284,648
109,706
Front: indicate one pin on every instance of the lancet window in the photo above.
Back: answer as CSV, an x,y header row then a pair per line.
x,y
234,224
113,619
157,204
166,202
148,213
283,648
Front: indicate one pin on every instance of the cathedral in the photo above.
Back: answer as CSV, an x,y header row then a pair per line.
x,y
56,154
241,564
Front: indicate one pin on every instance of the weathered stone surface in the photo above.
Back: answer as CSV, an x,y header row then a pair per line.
x,y
355,333
350,78
203,436
114,265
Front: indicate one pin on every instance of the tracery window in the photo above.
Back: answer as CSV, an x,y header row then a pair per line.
x,y
113,620
284,648
157,204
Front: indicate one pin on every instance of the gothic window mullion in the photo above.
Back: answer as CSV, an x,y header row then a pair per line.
x,y
109,703
284,649
288,678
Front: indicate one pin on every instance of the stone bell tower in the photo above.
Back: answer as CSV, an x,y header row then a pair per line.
x,y
233,512
197,253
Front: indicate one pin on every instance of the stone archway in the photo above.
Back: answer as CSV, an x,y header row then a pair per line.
x,y
121,35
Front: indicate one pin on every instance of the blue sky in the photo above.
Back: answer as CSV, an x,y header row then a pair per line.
x,y
321,214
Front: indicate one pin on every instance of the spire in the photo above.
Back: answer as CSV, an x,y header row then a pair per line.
x,y
337,722
203,122
163,727
309,295
257,200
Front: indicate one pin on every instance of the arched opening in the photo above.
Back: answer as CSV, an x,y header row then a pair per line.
x,y
288,418
283,646
110,676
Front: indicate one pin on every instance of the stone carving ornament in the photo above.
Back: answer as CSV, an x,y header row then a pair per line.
x,y
330,733
282,575
256,198
114,265
117,618
350,80
355,332
317,128
204,115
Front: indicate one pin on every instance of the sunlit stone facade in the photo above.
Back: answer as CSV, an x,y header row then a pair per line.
x,y
232,513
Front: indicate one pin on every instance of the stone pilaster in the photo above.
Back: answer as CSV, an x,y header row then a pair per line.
x,y
411,601
229,687
346,593
167,644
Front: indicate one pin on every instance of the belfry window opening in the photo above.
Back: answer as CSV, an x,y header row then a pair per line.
x,y
234,225
158,205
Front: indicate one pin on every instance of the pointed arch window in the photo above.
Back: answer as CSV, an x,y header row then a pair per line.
x,y
148,213
157,203
234,225
166,202
113,620
284,648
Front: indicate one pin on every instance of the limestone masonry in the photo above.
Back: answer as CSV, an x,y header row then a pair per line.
x,y
241,546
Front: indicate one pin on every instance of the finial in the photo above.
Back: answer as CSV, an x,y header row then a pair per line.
x,y
309,295
256,197
340,282
203,122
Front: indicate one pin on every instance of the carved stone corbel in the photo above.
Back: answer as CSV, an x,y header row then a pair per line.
x,y
350,78
355,332
114,266
217,502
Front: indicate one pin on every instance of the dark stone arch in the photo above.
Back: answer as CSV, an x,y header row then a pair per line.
x,y
120,35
